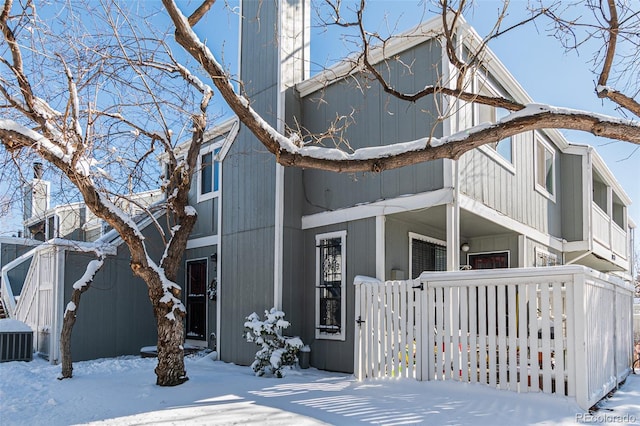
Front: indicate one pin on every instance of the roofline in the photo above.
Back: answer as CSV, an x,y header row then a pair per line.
x,y
230,126
428,30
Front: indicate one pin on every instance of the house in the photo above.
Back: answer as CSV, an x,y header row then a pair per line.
x,y
296,239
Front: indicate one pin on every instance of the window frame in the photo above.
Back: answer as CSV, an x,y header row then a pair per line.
x,y
319,334
213,149
416,236
540,252
491,252
540,142
489,149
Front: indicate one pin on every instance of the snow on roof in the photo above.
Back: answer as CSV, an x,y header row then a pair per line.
x,y
9,325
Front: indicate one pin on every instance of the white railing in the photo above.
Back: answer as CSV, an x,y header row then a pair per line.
x,y
618,240
607,232
600,225
564,330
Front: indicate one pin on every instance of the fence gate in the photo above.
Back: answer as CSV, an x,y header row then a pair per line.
x,y
388,328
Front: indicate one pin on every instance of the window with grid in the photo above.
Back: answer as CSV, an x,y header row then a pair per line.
x,y
427,256
330,253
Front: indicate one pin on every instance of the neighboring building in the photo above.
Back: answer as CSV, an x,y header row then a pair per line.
x,y
295,239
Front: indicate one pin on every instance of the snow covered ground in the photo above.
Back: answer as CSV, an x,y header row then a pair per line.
x,y
121,391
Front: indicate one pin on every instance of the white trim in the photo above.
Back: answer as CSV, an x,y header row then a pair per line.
x,y
210,240
278,243
453,236
208,149
538,187
343,290
494,216
379,208
542,252
522,251
380,248
230,138
416,236
499,159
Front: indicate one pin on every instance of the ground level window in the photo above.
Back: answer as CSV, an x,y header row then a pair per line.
x,y
330,285
427,254
491,260
196,299
544,258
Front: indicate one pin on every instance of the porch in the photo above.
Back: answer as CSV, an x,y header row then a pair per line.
x,y
565,330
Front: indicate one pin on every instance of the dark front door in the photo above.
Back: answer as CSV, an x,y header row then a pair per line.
x,y
196,299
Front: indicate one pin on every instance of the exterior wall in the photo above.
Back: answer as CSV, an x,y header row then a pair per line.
x,y
335,355
115,316
572,200
70,222
248,198
494,243
513,194
397,244
9,251
379,119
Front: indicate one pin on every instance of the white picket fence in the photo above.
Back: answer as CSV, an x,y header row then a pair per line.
x,y
566,330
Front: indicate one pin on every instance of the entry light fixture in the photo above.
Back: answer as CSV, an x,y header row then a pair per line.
x,y
465,247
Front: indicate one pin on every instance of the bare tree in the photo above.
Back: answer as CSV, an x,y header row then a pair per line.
x,y
98,94
603,22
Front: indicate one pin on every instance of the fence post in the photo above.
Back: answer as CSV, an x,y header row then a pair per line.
x,y
580,371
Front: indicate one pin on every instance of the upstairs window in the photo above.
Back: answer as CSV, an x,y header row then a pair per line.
x,y
209,173
545,168
503,147
330,285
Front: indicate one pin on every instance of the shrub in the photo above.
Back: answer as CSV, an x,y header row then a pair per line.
x,y
276,351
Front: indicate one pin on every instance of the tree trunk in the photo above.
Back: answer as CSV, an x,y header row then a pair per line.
x,y
65,336
170,370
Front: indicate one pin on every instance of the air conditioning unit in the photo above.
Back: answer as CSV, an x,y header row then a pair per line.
x,y
16,341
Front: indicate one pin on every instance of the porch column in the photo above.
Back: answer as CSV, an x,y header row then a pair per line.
x,y
380,248
453,236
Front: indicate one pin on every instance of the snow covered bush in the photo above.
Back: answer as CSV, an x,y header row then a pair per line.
x,y
276,351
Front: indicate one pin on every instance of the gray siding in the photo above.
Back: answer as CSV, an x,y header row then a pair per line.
x,y
484,179
379,119
397,243
17,275
248,198
335,355
494,243
572,199
115,315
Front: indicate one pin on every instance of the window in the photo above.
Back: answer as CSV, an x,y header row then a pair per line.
x,y
544,258
426,254
503,147
330,285
209,173
545,168
492,260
